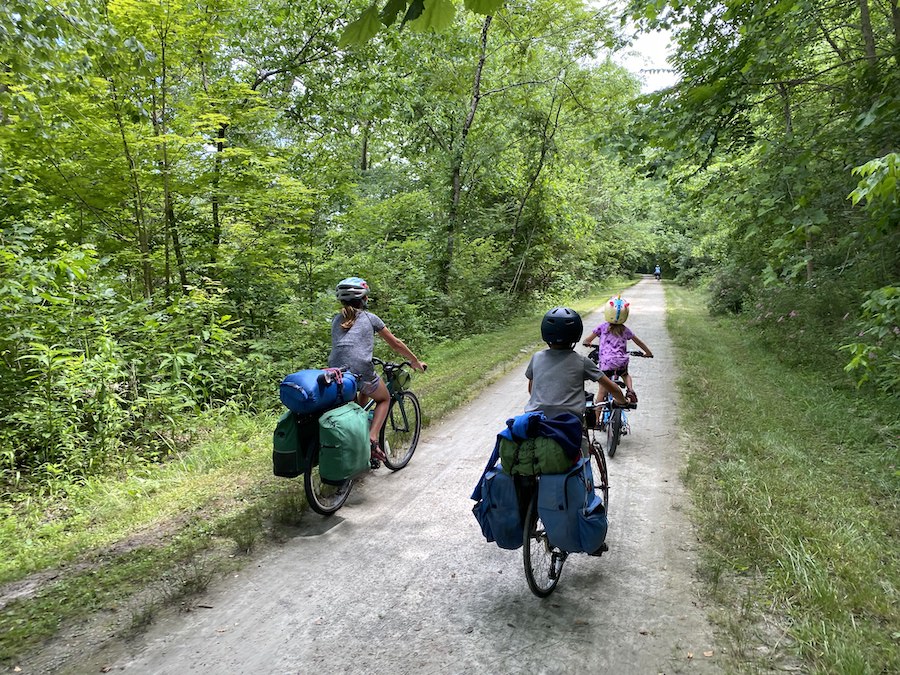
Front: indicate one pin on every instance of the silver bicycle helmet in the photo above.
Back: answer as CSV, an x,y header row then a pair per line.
x,y
352,288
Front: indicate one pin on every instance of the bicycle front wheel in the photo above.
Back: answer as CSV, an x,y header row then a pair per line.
x,y
400,433
543,562
322,497
613,432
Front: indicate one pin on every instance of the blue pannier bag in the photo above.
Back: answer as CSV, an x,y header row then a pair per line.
x,y
573,516
497,506
313,391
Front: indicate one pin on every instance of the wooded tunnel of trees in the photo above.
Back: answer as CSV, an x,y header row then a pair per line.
x,y
182,182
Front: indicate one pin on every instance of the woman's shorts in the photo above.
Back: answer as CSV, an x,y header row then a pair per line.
x,y
368,387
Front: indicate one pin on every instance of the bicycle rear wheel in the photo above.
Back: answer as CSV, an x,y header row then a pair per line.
x,y
613,431
599,473
322,497
543,562
400,433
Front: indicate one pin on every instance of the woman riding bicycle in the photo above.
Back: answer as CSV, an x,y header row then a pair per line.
x,y
614,336
352,344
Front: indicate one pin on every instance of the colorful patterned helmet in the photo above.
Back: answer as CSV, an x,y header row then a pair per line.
x,y
352,288
561,326
616,310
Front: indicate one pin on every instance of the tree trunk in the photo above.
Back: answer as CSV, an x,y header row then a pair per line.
x,y
865,20
895,21
160,128
137,200
364,151
214,199
784,92
459,153
546,137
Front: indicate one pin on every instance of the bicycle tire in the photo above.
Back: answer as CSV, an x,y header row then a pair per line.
x,y
323,498
543,562
400,434
613,432
600,473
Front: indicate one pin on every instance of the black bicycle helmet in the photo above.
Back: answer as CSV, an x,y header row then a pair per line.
x,y
352,288
561,326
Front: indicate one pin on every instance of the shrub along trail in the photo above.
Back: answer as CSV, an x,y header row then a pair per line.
x,y
401,581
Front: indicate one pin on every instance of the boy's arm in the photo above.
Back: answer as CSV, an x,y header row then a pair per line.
x,y
640,343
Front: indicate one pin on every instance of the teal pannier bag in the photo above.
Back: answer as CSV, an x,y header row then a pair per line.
x,y
534,456
292,444
343,443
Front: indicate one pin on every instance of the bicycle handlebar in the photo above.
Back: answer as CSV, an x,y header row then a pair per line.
x,y
602,404
391,365
637,352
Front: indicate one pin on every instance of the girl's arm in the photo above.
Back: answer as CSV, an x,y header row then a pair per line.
x,y
644,348
398,346
589,339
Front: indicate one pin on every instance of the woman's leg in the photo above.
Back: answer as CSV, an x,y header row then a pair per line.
x,y
381,398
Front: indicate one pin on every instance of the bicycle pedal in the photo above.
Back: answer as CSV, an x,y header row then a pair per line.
x,y
374,464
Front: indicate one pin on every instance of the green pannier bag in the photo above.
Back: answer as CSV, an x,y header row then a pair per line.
x,y
292,444
343,443
533,456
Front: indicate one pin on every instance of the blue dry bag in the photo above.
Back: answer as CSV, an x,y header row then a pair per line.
x,y
313,391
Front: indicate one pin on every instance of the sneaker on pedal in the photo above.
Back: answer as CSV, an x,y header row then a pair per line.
x,y
377,455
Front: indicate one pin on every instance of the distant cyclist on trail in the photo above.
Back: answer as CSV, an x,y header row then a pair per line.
x,y
352,344
657,272
614,336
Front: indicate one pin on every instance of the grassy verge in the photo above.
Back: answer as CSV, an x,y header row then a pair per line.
x,y
111,537
797,489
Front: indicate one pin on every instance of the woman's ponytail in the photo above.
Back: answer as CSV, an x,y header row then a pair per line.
x,y
349,315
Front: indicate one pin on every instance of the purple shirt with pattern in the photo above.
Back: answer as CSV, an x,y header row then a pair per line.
x,y
613,348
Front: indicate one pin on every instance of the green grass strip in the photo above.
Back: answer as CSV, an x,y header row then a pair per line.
x,y
795,482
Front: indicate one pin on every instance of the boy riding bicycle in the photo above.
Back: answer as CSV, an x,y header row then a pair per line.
x,y
556,376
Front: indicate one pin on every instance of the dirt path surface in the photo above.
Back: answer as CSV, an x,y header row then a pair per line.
x,y
401,581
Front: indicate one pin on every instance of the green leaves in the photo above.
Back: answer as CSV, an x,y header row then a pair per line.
x,y
879,182
437,15
363,29
483,6
421,15
391,10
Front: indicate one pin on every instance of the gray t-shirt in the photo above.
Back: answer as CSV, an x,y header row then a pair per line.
x,y
352,349
557,381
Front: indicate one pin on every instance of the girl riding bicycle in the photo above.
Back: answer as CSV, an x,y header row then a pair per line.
x,y
352,344
614,336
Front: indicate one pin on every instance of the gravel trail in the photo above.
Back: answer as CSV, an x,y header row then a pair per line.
x,y
401,581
